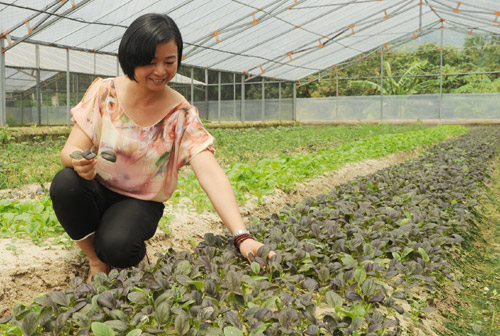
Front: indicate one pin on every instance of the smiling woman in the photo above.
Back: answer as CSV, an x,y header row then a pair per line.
x,y
139,43
111,208
162,68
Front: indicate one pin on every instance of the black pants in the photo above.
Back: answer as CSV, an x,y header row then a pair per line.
x,y
121,224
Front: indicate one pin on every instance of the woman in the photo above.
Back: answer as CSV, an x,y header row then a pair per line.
x,y
111,208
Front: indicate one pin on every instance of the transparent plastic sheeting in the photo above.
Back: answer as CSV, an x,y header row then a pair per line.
x,y
23,55
282,39
367,108
254,110
414,107
20,80
22,60
50,115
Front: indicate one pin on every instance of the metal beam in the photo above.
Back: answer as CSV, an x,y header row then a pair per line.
x,y
46,17
219,96
337,95
38,88
61,46
420,17
350,62
34,15
192,86
234,97
308,48
3,97
68,91
441,75
382,83
279,101
263,93
22,108
42,24
147,5
242,113
206,92
235,27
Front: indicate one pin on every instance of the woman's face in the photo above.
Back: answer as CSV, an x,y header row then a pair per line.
x,y
161,70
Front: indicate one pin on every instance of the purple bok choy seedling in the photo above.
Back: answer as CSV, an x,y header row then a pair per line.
x,y
90,154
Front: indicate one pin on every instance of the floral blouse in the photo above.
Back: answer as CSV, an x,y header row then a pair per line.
x,y
147,158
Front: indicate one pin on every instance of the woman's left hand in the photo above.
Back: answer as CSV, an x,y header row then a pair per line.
x,y
252,246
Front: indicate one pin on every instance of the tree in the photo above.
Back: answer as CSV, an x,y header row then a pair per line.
x,y
408,84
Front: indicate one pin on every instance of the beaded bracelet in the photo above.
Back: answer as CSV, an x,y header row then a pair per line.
x,y
237,233
240,239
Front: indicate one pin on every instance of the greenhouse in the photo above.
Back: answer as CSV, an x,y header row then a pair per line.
x,y
266,60
286,167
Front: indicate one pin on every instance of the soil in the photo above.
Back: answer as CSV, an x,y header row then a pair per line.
x,y
27,270
471,303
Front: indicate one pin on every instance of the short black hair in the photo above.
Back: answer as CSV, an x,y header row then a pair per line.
x,y
138,44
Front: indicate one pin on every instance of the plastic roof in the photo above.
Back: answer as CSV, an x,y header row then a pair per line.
x,y
283,39
21,79
53,60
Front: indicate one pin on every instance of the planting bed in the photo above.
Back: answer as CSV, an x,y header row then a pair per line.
x,y
352,261
349,262
48,260
27,269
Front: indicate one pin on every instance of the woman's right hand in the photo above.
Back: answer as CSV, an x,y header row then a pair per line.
x,y
85,168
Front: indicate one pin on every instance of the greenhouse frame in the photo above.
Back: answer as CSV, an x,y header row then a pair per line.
x,y
254,60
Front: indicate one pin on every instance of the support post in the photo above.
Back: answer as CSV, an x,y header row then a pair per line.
x,y
337,95
441,75
76,86
420,18
381,83
38,88
219,95
263,116
3,95
22,108
279,101
234,96
242,115
294,102
206,93
68,91
192,86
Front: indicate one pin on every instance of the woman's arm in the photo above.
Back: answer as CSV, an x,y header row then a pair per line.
x,y
215,183
78,140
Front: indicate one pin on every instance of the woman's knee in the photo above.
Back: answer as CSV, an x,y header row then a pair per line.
x,y
66,182
65,179
76,204
120,251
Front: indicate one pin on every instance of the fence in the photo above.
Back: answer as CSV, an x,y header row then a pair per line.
x,y
374,108
366,108
248,110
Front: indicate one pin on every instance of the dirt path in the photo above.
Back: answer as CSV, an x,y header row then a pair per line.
x,y
27,270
